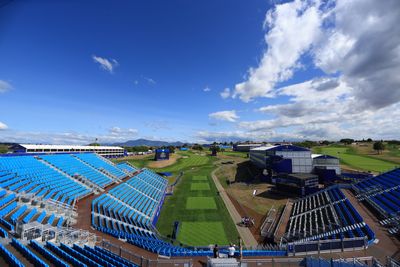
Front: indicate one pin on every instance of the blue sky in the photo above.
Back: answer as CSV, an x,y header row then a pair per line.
x,y
73,71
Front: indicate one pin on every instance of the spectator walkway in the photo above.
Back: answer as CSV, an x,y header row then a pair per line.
x,y
244,232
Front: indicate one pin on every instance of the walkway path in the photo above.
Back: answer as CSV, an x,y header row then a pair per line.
x,y
244,232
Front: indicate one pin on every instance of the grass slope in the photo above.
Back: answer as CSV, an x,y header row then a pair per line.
x,y
351,157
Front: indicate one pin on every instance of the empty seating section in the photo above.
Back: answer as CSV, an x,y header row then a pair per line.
x,y
28,254
9,257
126,167
101,164
130,206
30,175
382,191
73,166
47,254
80,256
327,214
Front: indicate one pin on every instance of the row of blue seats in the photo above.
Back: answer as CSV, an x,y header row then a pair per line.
x,y
96,162
9,257
126,167
32,176
156,245
47,254
385,191
35,260
72,166
112,208
308,226
153,179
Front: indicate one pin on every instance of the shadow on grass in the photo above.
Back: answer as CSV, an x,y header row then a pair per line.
x,y
272,193
247,173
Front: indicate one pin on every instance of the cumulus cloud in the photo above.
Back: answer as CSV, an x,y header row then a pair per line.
x,y
106,64
112,135
4,86
360,63
206,89
3,126
225,93
292,29
227,115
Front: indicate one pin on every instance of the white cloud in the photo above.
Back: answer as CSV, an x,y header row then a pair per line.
x,y
227,115
113,135
3,126
292,29
150,80
106,64
206,89
4,86
225,93
361,82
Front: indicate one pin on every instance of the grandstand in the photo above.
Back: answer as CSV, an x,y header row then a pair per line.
x,y
38,195
382,193
327,214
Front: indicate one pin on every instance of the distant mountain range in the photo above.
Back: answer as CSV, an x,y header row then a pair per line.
x,y
145,142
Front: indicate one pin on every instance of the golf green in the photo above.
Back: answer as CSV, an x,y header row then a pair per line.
x,y
199,178
199,186
202,233
201,203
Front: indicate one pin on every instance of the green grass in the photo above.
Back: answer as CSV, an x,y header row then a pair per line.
x,y
188,160
348,156
200,186
199,178
201,203
202,233
174,208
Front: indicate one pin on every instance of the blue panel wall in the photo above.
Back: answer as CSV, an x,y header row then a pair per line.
x,y
282,166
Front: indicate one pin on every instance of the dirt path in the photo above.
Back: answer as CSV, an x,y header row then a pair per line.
x,y
245,233
164,163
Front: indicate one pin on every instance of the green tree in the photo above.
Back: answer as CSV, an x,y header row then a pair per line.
x,y
197,147
3,149
347,141
379,146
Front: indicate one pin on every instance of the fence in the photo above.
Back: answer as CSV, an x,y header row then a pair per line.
x,y
142,261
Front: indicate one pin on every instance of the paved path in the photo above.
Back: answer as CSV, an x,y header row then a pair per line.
x,y
244,232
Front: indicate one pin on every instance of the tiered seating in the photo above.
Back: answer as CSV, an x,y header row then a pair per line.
x,y
82,256
327,214
47,254
130,206
74,166
126,212
30,175
126,167
9,257
98,163
28,254
382,192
